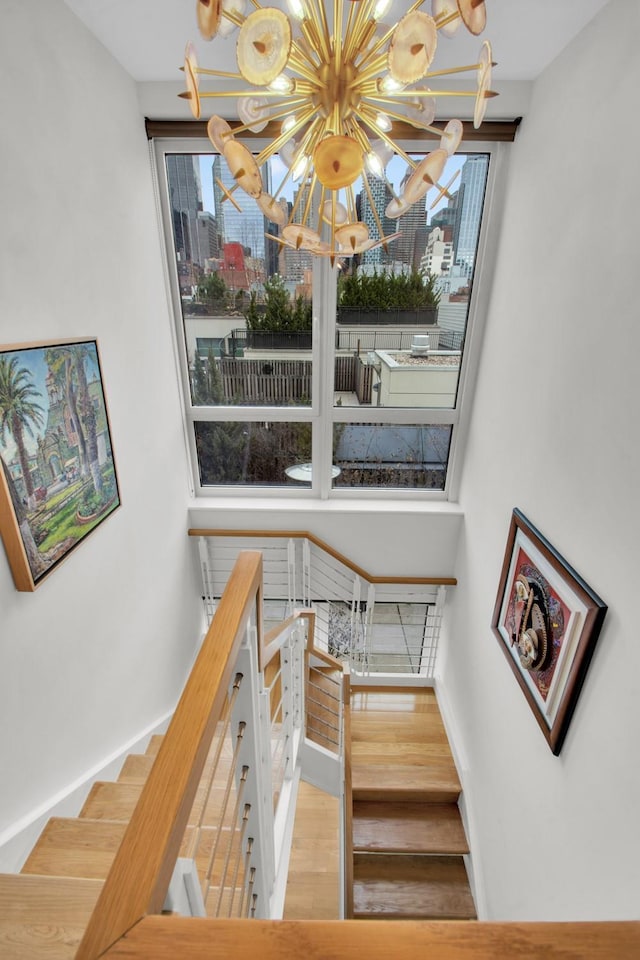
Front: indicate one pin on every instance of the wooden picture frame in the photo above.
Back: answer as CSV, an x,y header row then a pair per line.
x,y
58,480
547,621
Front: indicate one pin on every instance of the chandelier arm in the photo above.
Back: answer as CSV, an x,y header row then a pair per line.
x,y
362,113
275,145
446,73
431,93
284,112
320,206
334,201
311,33
236,18
358,134
351,204
227,194
320,17
298,199
312,186
299,66
204,71
372,69
349,29
364,15
337,35
285,180
387,36
239,93
315,132
444,191
396,115
444,21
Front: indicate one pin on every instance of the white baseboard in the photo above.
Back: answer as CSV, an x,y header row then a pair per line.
x,y
17,841
465,804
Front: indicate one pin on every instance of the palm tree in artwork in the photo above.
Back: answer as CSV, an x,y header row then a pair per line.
x,y
87,414
19,413
60,361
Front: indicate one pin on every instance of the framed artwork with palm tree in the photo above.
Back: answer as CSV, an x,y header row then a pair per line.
x,y
57,474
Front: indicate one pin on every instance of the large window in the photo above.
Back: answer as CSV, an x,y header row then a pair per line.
x,y
312,377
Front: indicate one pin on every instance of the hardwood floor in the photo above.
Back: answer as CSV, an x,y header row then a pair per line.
x,y
313,886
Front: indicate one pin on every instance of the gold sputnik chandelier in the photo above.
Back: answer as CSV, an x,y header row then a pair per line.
x,y
335,80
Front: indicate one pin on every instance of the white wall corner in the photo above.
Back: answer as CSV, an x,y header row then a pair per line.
x,y
17,841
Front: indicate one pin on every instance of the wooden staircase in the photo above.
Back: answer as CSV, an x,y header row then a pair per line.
x,y
44,910
408,837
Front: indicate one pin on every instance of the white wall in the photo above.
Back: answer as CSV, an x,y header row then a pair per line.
x,y
383,537
99,652
554,432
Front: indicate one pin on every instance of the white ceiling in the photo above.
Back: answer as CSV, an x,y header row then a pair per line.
x,y
148,37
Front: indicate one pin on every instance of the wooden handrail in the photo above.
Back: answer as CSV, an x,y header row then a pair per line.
x,y
165,938
348,794
306,535
139,878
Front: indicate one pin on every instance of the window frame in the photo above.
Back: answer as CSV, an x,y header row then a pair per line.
x,y
322,413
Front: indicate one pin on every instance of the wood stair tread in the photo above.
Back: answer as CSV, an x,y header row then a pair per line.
x,y
111,801
431,828
136,767
411,782
44,918
395,886
74,847
154,744
108,800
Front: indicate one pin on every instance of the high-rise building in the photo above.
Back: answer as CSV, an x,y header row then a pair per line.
x,y
438,255
208,235
380,194
298,261
472,186
411,225
246,226
185,193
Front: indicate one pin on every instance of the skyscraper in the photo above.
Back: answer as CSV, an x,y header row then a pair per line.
x,y
185,193
297,261
381,195
472,186
247,226
412,226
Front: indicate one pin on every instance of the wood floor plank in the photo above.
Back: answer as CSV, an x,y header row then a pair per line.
x,y
408,828
313,883
44,918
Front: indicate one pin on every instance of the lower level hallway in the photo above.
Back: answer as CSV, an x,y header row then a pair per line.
x,y
313,885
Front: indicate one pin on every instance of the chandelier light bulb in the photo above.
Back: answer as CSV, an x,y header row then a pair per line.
x,y
381,8
296,9
282,84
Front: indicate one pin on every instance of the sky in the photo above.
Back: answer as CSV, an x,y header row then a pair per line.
x,y
33,360
395,172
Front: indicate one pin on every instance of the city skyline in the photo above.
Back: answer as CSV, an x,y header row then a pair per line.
x,y
197,200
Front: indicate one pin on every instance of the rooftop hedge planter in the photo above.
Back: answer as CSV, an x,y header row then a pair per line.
x,y
408,299
278,340
394,316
